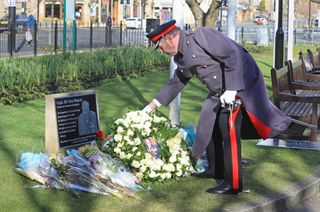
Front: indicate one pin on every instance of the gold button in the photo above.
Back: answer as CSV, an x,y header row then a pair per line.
x,y
214,77
193,56
188,42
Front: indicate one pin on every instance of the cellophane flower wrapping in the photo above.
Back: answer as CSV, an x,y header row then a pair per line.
x,y
98,173
150,146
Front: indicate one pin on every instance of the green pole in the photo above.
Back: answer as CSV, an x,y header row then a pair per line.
x,y
74,36
64,26
74,30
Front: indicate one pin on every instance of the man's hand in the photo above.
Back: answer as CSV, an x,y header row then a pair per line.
x,y
228,97
147,109
151,106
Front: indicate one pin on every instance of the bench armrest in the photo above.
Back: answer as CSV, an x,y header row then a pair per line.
x,y
311,76
296,98
306,85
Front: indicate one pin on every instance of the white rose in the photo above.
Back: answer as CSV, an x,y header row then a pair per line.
x,y
153,174
143,168
126,138
131,142
117,150
178,166
169,167
168,175
130,133
129,155
120,130
117,137
120,144
184,161
163,176
134,149
122,155
155,165
179,173
138,154
137,141
135,164
173,158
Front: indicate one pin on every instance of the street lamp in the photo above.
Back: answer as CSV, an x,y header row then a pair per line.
x,y
279,40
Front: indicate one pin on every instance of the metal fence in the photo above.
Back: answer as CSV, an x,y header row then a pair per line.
x,y
50,39
308,37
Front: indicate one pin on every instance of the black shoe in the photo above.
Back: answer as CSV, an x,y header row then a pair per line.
x,y
205,174
224,188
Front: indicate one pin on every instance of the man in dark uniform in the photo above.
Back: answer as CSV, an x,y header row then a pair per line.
x,y
237,103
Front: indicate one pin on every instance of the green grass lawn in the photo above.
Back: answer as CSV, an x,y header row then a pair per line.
x,y
22,130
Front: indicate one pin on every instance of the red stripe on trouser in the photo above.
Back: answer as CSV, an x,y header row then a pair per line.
x,y
234,149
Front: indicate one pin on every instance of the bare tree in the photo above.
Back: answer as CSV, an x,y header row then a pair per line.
x,y
207,18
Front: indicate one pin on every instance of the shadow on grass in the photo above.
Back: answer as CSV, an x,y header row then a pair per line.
x,y
136,92
271,167
10,155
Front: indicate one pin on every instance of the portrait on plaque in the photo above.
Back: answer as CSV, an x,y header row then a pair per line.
x,y
87,120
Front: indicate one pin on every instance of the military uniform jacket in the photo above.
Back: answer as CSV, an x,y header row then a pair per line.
x,y
222,64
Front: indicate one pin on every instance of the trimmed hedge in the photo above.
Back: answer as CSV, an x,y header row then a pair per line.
x,y
23,79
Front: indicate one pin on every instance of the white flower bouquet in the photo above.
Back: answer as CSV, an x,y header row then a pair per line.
x,y
150,147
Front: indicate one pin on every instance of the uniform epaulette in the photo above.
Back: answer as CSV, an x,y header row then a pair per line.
x,y
190,31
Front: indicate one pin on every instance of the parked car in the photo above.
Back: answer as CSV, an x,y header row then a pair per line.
x,y
4,22
260,20
134,23
21,21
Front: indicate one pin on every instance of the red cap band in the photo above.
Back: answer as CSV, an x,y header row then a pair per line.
x,y
157,37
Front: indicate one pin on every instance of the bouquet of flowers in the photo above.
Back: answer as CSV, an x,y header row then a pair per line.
x,y
149,146
76,172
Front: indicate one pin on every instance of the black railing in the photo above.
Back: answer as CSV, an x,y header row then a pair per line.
x,y
50,40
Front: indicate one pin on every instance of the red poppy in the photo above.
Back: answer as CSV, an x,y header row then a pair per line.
x,y
100,134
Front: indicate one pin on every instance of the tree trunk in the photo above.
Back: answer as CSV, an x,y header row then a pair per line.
x,y
212,14
198,14
204,19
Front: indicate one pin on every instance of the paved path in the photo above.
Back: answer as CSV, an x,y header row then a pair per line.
x,y
311,204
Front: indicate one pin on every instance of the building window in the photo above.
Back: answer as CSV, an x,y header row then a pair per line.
x,y
56,10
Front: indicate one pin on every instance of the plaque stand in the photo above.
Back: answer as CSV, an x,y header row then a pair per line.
x,y
52,141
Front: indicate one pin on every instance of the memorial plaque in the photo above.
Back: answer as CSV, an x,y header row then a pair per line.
x,y
71,119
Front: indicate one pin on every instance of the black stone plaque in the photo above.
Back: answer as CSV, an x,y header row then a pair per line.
x,y
77,119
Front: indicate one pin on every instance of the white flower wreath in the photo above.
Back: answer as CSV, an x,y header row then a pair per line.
x,y
150,147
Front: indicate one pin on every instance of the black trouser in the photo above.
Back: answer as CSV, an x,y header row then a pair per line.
x,y
224,149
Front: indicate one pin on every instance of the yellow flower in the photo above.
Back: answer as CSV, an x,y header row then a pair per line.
x,y
52,156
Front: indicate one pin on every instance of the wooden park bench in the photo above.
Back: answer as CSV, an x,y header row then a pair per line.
x,y
298,72
314,59
296,99
311,61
